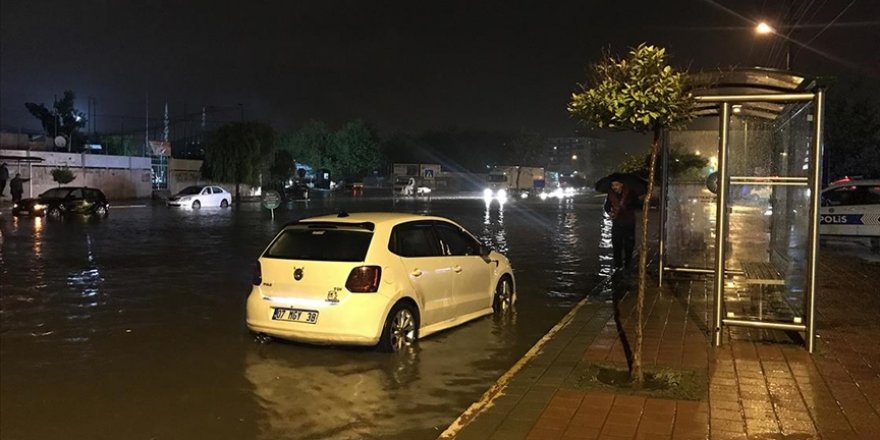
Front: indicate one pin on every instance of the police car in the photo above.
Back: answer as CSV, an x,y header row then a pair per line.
x,y
851,207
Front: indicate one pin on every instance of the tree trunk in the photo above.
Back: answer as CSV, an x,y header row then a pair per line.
x,y
237,192
638,375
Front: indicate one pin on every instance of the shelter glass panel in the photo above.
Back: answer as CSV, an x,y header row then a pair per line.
x,y
690,206
768,216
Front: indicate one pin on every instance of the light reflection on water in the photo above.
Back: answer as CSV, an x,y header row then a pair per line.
x,y
173,283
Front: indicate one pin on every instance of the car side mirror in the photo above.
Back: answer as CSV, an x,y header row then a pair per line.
x,y
485,250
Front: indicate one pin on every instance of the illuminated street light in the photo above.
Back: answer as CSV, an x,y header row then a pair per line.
x,y
763,28
574,157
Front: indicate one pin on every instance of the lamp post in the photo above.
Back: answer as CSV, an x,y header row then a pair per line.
x,y
762,28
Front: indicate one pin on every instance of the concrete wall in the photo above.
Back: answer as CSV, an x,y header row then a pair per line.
x,y
119,177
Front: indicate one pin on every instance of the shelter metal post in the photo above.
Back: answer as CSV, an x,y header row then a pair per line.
x,y
721,220
815,188
665,170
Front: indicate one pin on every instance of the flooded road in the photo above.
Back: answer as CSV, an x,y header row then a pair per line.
x,y
133,327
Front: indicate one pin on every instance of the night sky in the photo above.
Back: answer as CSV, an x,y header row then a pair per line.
x,y
401,66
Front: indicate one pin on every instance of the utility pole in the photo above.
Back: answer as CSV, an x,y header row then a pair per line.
x,y
147,124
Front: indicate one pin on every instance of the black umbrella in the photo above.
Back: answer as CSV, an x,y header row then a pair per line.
x,y
635,184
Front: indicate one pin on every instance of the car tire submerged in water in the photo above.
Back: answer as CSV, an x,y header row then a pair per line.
x,y
224,203
196,205
53,212
502,302
101,211
401,328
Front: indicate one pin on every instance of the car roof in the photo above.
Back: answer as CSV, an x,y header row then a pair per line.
x,y
384,219
854,182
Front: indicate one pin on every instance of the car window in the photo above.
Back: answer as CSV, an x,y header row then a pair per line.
x,y
190,190
207,190
320,244
454,241
55,193
853,196
872,195
217,190
75,194
414,239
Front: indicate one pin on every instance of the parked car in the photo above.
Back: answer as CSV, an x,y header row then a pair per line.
x,y
63,201
851,207
375,278
199,196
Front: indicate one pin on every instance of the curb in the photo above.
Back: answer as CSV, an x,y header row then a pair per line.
x,y
497,389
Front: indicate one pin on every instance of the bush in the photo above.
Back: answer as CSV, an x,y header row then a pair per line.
x,y
63,176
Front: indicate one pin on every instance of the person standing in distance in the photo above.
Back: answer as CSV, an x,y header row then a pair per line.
x,y
620,206
16,187
4,176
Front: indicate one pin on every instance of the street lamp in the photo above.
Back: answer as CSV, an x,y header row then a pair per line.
x,y
762,28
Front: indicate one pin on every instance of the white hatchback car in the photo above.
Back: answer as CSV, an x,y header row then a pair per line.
x,y
199,196
375,278
851,207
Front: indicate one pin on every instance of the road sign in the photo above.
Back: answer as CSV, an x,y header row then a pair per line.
x,y
271,200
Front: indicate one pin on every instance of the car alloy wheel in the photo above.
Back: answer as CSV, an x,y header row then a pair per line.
x,y
401,329
101,211
503,300
53,212
224,203
196,205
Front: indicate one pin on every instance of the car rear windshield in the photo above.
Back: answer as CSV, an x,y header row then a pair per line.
x,y
190,190
321,244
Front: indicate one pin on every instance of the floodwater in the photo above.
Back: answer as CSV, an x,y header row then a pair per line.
x,y
133,327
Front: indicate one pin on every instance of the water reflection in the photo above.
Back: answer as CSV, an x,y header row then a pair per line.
x,y
606,257
494,234
308,392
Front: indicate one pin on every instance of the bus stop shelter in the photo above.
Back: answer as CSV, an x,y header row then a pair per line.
x,y
748,219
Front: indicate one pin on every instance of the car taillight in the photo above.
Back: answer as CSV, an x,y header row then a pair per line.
x,y
364,279
258,274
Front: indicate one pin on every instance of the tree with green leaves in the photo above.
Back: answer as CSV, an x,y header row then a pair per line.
x,y
62,175
239,152
311,145
642,93
355,150
62,119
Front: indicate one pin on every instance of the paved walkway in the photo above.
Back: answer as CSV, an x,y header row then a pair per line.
x,y
760,384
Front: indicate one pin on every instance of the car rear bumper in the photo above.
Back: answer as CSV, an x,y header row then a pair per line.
x,y
356,320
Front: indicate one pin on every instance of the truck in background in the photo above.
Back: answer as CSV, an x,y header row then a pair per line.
x,y
507,180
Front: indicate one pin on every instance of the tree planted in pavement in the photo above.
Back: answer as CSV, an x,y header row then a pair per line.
x,y
238,153
641,93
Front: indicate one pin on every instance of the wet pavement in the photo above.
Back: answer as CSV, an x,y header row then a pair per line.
x,y
761,384
133,327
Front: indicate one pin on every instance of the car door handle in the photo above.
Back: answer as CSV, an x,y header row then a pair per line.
x,y
416,273
456,268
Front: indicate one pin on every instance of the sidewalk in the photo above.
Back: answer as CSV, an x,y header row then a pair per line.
x,y
760,384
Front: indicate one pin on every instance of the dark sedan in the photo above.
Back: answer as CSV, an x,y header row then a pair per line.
x,y
62,201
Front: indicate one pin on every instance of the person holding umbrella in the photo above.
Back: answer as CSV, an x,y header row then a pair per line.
x,y
621,204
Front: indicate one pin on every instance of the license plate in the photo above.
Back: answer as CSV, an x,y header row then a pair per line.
x,y
295,315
